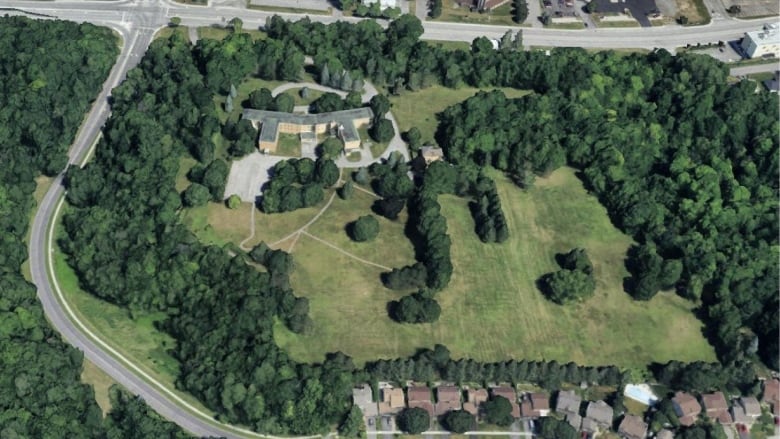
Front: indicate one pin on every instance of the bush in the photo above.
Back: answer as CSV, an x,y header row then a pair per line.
x,y
459,421
233,202
366,228
414,420
416,308
498,411
564,286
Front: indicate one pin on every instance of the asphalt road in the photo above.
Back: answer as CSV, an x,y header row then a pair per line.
x,y
136,21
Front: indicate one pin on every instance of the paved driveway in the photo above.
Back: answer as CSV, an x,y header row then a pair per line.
x,y
249,174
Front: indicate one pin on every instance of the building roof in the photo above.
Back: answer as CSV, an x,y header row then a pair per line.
x,y
568,401
686,404
600,412
477,396
751,406
515,409
574,420
739,416
527,410
363,398
506,392
540,401
724,418
714,402
770,34
425,405
771,391
394,397
443,407
447,393
589,425
418,393
664,434
430,152
470,407
344,119
632,427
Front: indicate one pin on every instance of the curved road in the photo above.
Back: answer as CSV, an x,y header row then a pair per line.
x,y
136,21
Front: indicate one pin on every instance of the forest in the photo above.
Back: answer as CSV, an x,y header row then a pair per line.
x,y
41,394
128,246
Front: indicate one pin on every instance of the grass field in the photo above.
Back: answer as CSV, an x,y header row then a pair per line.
x,y
492,309
168,31
218,33
100,381
289,145
420,108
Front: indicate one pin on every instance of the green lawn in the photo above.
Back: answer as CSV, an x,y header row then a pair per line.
x,y
289,145
168,31
100,381
492,309
218,33
420,108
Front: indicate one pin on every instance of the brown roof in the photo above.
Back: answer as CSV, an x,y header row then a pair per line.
x,y
687,408
394,397
515,409
714,403
506,392
477,396
470,407
664,434
425,405
632,427
771,391
418,393
443,407
447,393
540,401
527,410
724,418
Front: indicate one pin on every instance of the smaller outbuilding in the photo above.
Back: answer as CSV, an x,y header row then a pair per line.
x,y
431,154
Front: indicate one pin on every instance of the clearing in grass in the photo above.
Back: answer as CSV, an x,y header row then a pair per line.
x,y
492,309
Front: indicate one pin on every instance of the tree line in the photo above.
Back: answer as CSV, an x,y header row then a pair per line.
x,y
41,388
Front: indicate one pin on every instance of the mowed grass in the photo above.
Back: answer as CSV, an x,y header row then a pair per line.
x,y
100,381
420,108
492,309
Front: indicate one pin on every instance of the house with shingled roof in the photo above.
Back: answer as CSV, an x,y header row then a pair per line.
x,y
474,399
686,407
510,394
568,402
447,399
601,413
632,427
771,395
716,407
420,397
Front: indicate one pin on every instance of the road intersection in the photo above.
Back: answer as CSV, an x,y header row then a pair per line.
x,y
136,21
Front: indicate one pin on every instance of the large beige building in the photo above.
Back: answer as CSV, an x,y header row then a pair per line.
x,y
343,123
764,42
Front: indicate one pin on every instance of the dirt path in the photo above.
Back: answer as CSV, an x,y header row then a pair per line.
x,y
334,247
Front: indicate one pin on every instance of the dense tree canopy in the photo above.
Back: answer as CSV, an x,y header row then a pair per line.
x,y
459,421
365,228
498,410
414,420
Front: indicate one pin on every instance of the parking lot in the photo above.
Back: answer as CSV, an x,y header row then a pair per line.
x,y
249,174
639,9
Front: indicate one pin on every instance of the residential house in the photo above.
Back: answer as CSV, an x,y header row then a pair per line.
x,y
772,395
632,427
535,405
431,154
447,399
664,434
510,394
568,402
601,413
686,407
363,397
474,398
589,425
392,400
716,407
746,410
420,397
